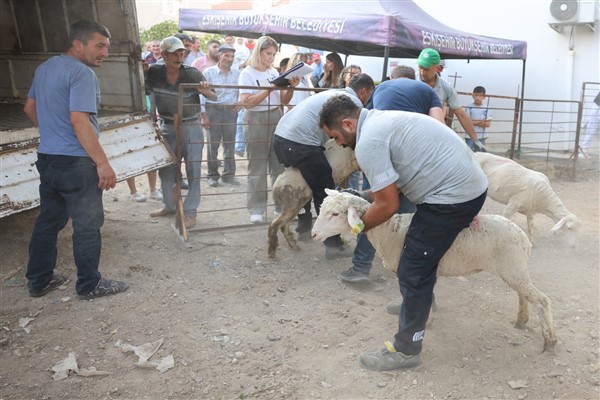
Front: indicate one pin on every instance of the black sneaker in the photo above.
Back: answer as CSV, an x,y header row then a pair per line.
x,y
105,287
387,359
304,236
56,282
353,276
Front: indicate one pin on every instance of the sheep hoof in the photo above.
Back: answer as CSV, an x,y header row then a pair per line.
x,y
520,325
549,347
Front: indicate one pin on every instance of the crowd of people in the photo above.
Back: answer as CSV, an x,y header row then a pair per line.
x,y
411,161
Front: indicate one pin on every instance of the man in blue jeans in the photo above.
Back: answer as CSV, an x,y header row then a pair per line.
x,y
402,93
163,81
63,101
433,168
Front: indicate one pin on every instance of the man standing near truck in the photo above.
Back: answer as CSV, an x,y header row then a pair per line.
x,y
163,81
74,170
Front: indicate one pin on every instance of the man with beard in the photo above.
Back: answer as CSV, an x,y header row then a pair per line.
x,y
435,169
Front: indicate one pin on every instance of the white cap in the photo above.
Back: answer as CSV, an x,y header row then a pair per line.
x,y
171,44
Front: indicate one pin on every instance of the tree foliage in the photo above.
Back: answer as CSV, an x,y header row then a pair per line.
x,y
158,31
168,28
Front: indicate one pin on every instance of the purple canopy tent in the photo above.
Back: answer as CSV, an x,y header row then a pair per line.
x,y
388,28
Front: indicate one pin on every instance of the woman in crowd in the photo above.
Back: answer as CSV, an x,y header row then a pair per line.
x,y
347,74
263,111
300,95
332,70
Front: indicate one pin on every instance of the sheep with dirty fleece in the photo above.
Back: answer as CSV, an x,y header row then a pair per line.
x,y
524,191
291,192
492,243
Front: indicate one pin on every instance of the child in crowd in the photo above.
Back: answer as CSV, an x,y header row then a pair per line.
x,y
479,114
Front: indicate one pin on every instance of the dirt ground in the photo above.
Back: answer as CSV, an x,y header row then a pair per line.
x,y
239,325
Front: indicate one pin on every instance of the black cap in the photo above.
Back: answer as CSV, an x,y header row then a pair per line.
x,y
226,48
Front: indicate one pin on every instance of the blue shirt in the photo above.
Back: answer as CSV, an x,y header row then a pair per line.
x,y
404,94
62,85
217,77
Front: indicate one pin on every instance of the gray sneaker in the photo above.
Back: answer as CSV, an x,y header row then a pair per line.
x,y
105,287
331,253
387,359
213,182
353,276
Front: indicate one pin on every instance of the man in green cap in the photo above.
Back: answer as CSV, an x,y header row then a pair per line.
x,y
428,62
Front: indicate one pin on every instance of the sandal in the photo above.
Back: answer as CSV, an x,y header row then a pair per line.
x,y
105,287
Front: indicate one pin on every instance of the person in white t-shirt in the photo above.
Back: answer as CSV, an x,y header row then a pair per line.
x,y
263,110
241,53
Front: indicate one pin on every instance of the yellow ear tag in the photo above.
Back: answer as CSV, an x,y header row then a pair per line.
x,y
358,228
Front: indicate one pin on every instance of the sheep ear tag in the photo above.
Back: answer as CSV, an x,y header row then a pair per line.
x,y
558,225
353,216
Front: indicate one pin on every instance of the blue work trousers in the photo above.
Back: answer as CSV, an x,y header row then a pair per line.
x,y
68,189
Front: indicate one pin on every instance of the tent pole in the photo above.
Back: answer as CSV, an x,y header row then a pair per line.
x,y
386,56
521,110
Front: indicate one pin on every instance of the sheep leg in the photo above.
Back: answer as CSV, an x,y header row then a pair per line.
x,y
545,314
530,226
523,314
289,236
272,237
287,215
519,280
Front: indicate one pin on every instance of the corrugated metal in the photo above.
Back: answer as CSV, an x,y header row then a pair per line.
x,y
133,145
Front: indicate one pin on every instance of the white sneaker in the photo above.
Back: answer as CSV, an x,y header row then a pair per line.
x,y
257,218
137,197
156,195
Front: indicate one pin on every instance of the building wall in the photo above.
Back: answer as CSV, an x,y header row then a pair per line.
x,y
553,70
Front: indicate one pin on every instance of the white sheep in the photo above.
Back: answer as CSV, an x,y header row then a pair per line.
x,y
291,192
524,191
492,243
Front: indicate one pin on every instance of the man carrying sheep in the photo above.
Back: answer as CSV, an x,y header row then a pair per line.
x,y
434,169
298,142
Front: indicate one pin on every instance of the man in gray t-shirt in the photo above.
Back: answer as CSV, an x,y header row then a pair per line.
x,y
298,142
434,169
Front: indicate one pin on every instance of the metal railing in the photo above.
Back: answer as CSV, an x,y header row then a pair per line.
x,y
548,135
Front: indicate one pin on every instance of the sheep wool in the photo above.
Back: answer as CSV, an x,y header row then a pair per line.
x,y
524,191
492,243
291,192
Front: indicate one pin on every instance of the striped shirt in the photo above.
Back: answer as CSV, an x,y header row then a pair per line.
x,y
167,95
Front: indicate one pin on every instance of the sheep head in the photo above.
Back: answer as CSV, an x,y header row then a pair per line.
x,y
339,212
570,222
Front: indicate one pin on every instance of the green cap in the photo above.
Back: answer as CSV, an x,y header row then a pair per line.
x,y
428,57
